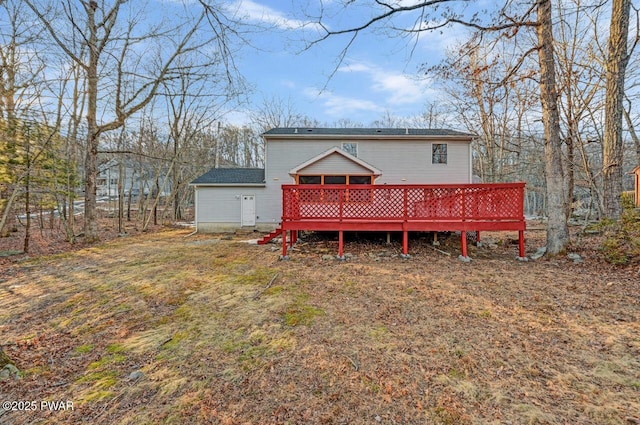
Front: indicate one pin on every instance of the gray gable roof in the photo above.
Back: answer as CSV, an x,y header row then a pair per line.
x,y
231,176
434,132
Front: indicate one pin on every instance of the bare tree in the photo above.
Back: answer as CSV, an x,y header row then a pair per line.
x,y
435,115
104,39
20,78
581,102
194,101
612,145
557,229
509,24
484,105
71,83
347,123
276,112
632,130
388,120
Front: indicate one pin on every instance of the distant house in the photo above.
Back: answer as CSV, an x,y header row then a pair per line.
x,y
228,199
137,177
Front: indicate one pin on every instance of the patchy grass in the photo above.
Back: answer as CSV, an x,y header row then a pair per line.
x,y
300,312
621,243
376,339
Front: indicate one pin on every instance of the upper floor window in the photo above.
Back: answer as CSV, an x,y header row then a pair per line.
x,y
351,148
439,153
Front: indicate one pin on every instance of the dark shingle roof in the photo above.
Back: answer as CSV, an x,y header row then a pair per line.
x,y
231,176
367,132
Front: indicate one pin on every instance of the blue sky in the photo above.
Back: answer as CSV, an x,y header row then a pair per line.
x,y
380,75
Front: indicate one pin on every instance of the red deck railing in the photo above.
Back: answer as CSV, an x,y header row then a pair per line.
x,y
467,207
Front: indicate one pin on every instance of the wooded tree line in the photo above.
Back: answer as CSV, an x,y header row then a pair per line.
x,y
494,89
560,63
110,79
547,86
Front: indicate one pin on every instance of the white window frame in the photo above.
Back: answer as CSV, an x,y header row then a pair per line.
x,y
349,151
446,154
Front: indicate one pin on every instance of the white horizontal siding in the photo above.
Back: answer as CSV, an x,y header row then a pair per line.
x,y
223,205
334,164
401,161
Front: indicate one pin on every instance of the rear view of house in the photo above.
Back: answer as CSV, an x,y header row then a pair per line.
x,y
229,199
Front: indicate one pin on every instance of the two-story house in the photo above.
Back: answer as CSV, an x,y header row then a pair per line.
x,y
227,199
359,179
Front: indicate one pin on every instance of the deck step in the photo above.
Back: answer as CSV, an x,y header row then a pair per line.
x,y
270,236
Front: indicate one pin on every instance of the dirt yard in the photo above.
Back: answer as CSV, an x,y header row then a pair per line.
x,y
177,329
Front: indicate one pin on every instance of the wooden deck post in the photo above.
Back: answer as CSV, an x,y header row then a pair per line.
x,y
284,244
521,243
463,235
405,242
340,244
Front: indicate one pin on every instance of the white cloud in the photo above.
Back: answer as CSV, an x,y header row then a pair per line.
x,y
260,13
238,118
397,88
289,84
343,106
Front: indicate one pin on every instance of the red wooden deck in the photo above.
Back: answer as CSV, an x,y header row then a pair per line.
x,y
405,208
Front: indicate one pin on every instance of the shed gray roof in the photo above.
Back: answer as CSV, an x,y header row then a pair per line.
x,y
433,132
231,176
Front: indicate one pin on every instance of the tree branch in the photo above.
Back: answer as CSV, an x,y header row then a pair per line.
x,y
54,35
152,86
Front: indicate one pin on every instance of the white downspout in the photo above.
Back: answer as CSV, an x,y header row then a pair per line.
x,y
195,208
471,161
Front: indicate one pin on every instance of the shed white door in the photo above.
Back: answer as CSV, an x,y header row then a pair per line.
x,y
248,208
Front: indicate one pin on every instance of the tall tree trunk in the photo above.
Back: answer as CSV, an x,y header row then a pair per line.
x,y
130,195
557,229
572,137
91,157
177,214
8,215
121,179
634,135
612,145
27,191
8,92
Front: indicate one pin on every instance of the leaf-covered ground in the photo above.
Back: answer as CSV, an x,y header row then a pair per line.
x,y
170,328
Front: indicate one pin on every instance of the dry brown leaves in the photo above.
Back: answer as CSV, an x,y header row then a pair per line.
x,y
378,339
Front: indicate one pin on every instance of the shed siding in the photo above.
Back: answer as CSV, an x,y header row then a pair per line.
x,y
222,205
334,164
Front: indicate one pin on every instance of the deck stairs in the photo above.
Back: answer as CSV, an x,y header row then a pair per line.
x,y
267,238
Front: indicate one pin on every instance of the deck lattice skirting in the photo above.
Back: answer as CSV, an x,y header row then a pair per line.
x,y
405,208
